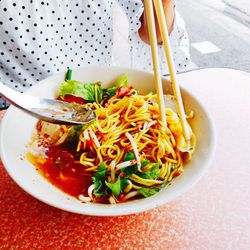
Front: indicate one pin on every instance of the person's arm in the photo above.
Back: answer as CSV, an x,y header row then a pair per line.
x,y
168,6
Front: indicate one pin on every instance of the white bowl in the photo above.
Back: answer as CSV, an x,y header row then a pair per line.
x,y
17,128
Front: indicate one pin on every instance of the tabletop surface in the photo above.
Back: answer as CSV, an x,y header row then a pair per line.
x,y
214,214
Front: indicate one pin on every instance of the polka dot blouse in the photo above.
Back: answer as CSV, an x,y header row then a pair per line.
x,y
41,38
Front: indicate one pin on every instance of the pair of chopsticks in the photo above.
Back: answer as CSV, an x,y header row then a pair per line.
x,y
157,75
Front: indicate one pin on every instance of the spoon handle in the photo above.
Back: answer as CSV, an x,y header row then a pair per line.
x,y
10,95
48,109
14,97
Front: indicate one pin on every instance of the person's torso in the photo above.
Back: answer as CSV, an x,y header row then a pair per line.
x,y
39,38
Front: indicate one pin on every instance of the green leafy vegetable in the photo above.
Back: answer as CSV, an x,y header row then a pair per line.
x,y
128,171
110,92
145,163
119,82
124,183
115,187
152,173
118,187
84,90
75,132
99,180
129,156
131,169
88,92
147,192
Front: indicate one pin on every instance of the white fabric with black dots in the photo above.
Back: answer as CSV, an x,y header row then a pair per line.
x,y
41,38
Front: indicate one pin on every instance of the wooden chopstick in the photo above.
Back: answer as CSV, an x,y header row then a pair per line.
x,y
154,50
176,88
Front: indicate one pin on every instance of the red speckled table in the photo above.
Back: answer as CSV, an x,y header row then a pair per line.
x,y
215,214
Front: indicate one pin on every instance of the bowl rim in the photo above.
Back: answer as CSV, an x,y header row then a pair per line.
x,y
117,210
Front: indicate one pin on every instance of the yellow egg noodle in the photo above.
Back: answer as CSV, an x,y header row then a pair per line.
x,y
133,124
126,151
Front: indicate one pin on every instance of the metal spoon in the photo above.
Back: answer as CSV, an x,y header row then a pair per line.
x,y
49,110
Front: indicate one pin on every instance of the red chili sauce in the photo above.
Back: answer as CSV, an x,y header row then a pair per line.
x,y
59,168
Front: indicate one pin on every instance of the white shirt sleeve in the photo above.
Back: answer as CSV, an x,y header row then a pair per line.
x,y
140,51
